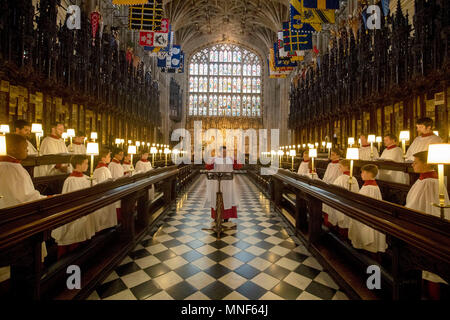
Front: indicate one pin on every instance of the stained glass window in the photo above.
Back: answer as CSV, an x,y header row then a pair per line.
x,y
225,80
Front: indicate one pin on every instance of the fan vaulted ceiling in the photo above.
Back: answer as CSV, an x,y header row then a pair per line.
x,y
252,22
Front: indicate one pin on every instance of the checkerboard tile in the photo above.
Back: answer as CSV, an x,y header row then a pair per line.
x,y
259,259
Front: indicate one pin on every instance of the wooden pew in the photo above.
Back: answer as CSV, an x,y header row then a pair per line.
x,y
24,227
416,241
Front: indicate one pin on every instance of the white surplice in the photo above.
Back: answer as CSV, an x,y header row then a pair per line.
x,y
421,144
364,153
50,145
303,169
78,148
335,216
82,228
31,150
116,169
145,166
393,154
421,196
332,172
127,168
19,189
363,236
230,198
105,217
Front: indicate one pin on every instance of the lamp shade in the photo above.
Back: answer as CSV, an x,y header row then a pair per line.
x,y
329,145
292,153
298,146
94,135
4,128
153,150
71,133
439,153
371,138
404,135
324,143
2,146
378,139
316,144
138,143
352,154
129,141
131,149
280,152
92,149
436,133
313,153
64,135
36,127
122,141
148,144
351,140
117,141
166,151
304,146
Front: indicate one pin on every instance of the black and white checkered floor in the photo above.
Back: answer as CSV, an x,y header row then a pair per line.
x,y
260,259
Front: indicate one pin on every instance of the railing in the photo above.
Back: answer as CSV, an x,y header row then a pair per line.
x,y
24,227
416,241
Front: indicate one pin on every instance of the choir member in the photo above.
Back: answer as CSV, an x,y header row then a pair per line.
x,y
144,165
426,136
78,146
127,165
70,235
361,235
23,128
105,217
423,193
335,217
222,163
19,188
115,166
333,170
53,144
364,149
394,153
303,169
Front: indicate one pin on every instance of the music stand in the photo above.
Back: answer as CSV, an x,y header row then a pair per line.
x,y
219,176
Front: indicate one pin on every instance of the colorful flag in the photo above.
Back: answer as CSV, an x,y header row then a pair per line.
x,y
321,4
146,17
294,41
314,17
282,62
129,2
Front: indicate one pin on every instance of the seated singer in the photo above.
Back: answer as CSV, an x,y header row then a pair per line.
x,y
222,163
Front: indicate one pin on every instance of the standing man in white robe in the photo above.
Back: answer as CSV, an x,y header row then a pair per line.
x,y
425,137
115,166
303,168
70,235
423,193
361,235
105,217
333,171
144,165
78,146
222,163
16,187
394,153
53,144
334,217
364,149
23,128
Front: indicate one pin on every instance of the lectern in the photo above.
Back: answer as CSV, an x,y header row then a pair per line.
x,y
219,176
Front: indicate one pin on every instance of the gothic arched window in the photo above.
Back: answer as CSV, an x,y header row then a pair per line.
x,y
220,77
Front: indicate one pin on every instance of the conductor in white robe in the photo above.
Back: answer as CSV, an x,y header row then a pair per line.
x,y
222,163
365,149
105,217
361,235
423,193
425,137
304,167
392,152
144,165
70,235
333,171
53,144
19,188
